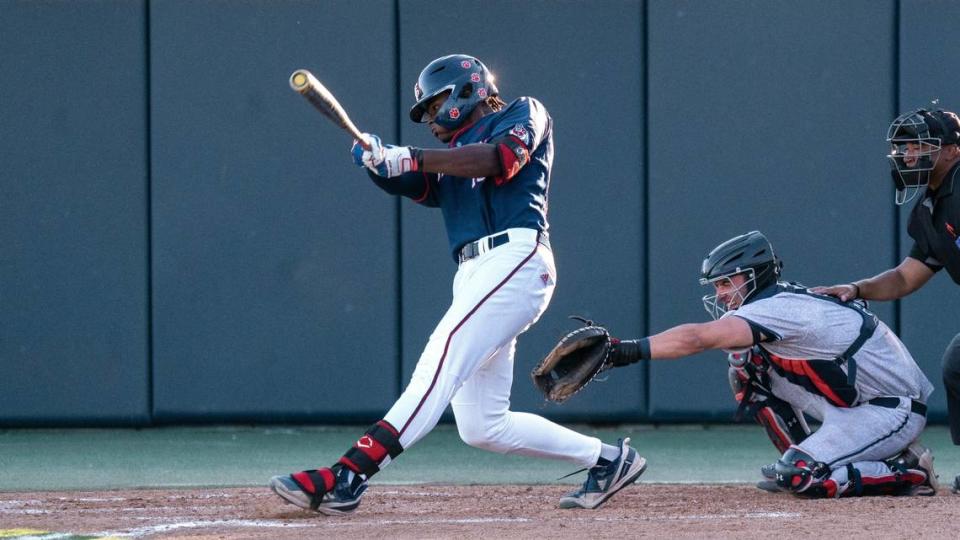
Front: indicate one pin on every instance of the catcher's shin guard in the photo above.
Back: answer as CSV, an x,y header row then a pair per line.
x,y
784,424
377,447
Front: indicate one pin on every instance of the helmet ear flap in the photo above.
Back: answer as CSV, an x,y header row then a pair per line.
x,y
466,91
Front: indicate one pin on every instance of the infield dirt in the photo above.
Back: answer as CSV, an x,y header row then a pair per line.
x,y
449,511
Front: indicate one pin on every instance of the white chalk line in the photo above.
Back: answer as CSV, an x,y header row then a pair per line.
x,y
353,523
680,517
234,523
45,536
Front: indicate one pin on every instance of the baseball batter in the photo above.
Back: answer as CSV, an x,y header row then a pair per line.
x,y
491,184
832,360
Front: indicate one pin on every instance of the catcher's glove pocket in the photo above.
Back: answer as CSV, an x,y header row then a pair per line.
x,y
572,363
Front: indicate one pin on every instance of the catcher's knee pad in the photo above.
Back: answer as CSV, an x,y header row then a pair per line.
x,y
798,472
380,443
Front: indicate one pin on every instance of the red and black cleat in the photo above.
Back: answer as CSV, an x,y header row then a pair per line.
x,y
330,490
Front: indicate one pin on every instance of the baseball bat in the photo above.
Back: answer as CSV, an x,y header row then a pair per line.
x,y
317,94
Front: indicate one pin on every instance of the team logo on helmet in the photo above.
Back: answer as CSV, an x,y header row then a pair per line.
x,y
475,77
465,64
455,113
482,92
417,91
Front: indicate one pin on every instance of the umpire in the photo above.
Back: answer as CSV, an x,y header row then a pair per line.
x,y
925,159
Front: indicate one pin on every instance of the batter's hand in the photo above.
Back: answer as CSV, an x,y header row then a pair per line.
x,y
395,160
386,161
367,158
847,291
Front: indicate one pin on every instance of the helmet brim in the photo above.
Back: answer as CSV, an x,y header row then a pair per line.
x,y
420,108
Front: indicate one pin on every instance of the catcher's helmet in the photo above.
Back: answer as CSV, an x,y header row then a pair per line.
x,y
466,78
749,254
928,131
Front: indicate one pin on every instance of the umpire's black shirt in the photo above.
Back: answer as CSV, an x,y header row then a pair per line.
x,y
934,226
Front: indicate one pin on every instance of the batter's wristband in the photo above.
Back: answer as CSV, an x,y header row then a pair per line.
x,y
417,155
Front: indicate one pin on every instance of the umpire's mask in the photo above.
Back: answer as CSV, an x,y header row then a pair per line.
x,y
918,136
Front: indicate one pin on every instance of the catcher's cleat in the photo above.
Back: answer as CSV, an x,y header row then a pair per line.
x,y
925,464
956,484
605,480
916,458
330,491
769,482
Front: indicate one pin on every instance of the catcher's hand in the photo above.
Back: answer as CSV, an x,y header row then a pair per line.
x,y
573,362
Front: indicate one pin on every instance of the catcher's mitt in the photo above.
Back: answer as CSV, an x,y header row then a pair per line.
x,y
573,362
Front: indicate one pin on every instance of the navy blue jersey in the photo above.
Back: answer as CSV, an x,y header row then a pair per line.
x,y
476,207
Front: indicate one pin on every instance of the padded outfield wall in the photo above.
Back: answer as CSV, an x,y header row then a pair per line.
x,y
183,239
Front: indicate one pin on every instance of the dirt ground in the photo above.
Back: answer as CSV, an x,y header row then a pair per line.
x,y
447,511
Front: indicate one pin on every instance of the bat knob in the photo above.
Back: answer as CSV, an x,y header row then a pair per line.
x,y
298,80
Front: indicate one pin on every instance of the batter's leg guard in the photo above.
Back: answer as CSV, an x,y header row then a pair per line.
x,y
801,474
379,445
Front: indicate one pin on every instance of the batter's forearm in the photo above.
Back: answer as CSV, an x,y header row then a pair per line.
x,y
469,161
412,185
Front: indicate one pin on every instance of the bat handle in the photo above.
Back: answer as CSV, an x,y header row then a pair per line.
x,y
361,141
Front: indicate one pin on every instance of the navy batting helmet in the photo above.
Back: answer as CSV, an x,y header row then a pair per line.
x,y
928,131
466,79
750,254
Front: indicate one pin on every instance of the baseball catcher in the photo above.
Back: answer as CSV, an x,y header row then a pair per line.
x,y
793,352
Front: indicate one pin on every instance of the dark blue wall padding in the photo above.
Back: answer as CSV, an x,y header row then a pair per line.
x,y
73,213
275,269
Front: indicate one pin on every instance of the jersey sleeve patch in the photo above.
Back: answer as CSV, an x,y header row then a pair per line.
x,y
521,133
513,154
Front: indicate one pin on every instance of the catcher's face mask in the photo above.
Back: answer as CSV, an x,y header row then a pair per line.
x,y
730,292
